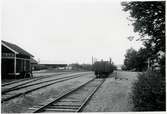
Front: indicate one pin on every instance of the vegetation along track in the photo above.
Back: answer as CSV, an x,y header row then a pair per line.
x,y
72,100
18,92
28,80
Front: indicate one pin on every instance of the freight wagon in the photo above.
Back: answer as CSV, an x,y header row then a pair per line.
x,y
102,68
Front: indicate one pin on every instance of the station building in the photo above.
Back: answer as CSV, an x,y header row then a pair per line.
x,y
15,61
34,64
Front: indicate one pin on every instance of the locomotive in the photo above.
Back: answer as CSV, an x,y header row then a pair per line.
x,y
102,69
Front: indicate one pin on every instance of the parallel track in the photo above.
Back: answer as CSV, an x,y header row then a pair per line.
x,y
24,85
31,79
72,100
15,95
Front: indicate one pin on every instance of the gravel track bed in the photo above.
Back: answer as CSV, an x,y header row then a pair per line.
x,y
40,80
53,70
35,75
21,81
114,94
21,104
44,74
78,96
23,90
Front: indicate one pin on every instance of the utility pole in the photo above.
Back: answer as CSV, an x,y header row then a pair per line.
x,y
110,60
92,63
92,60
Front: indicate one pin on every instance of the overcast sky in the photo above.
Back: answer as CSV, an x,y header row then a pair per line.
x,y
65,31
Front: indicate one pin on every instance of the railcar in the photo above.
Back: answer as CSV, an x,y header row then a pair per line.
x,y
102,69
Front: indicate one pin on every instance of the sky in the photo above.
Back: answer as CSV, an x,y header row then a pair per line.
x,y
68,31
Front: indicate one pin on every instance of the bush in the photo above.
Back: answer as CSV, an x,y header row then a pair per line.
x,y
148,92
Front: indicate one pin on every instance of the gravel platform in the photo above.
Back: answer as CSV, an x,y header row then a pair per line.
x,y
114,94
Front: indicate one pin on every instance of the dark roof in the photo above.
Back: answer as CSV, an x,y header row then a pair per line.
x,y
33,61
17,48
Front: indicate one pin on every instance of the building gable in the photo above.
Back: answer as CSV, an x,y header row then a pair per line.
x,y
16,49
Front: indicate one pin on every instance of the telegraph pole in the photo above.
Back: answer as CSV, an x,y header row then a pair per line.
x,y
110,60
92,63
92,60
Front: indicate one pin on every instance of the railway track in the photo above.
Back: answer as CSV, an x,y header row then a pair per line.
x,y
27,80
28,84
72,100
19,90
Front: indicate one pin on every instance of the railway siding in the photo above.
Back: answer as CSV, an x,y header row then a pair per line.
x,y
78,97
46,77
35,82
30,88
21,104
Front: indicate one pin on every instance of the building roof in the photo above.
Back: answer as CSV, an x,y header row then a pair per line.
x,y
33,61
15,48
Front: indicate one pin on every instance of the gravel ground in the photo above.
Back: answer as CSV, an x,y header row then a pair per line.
x,y
114,94
40,80
21,104
36,74
42,73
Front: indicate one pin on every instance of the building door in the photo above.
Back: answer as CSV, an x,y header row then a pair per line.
x,y
7,66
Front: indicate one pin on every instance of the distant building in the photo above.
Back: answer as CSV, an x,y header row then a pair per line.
x,y
54,65
15,61
69,67
119,67
34,64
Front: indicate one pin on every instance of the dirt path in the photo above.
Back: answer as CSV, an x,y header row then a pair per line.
x,y
114,95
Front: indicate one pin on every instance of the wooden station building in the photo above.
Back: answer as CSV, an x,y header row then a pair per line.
x,y
15,61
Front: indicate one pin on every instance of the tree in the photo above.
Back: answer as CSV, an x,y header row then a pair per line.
x,y
136,59
142,59
130,59
148,19
123,67
77,66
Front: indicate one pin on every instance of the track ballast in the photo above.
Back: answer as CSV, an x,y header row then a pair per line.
x,y
71,100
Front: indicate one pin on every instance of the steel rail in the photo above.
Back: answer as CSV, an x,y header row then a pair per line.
x,y
67,92
76,109
46,76
31,90
30,79
89,97
15,81
20,86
